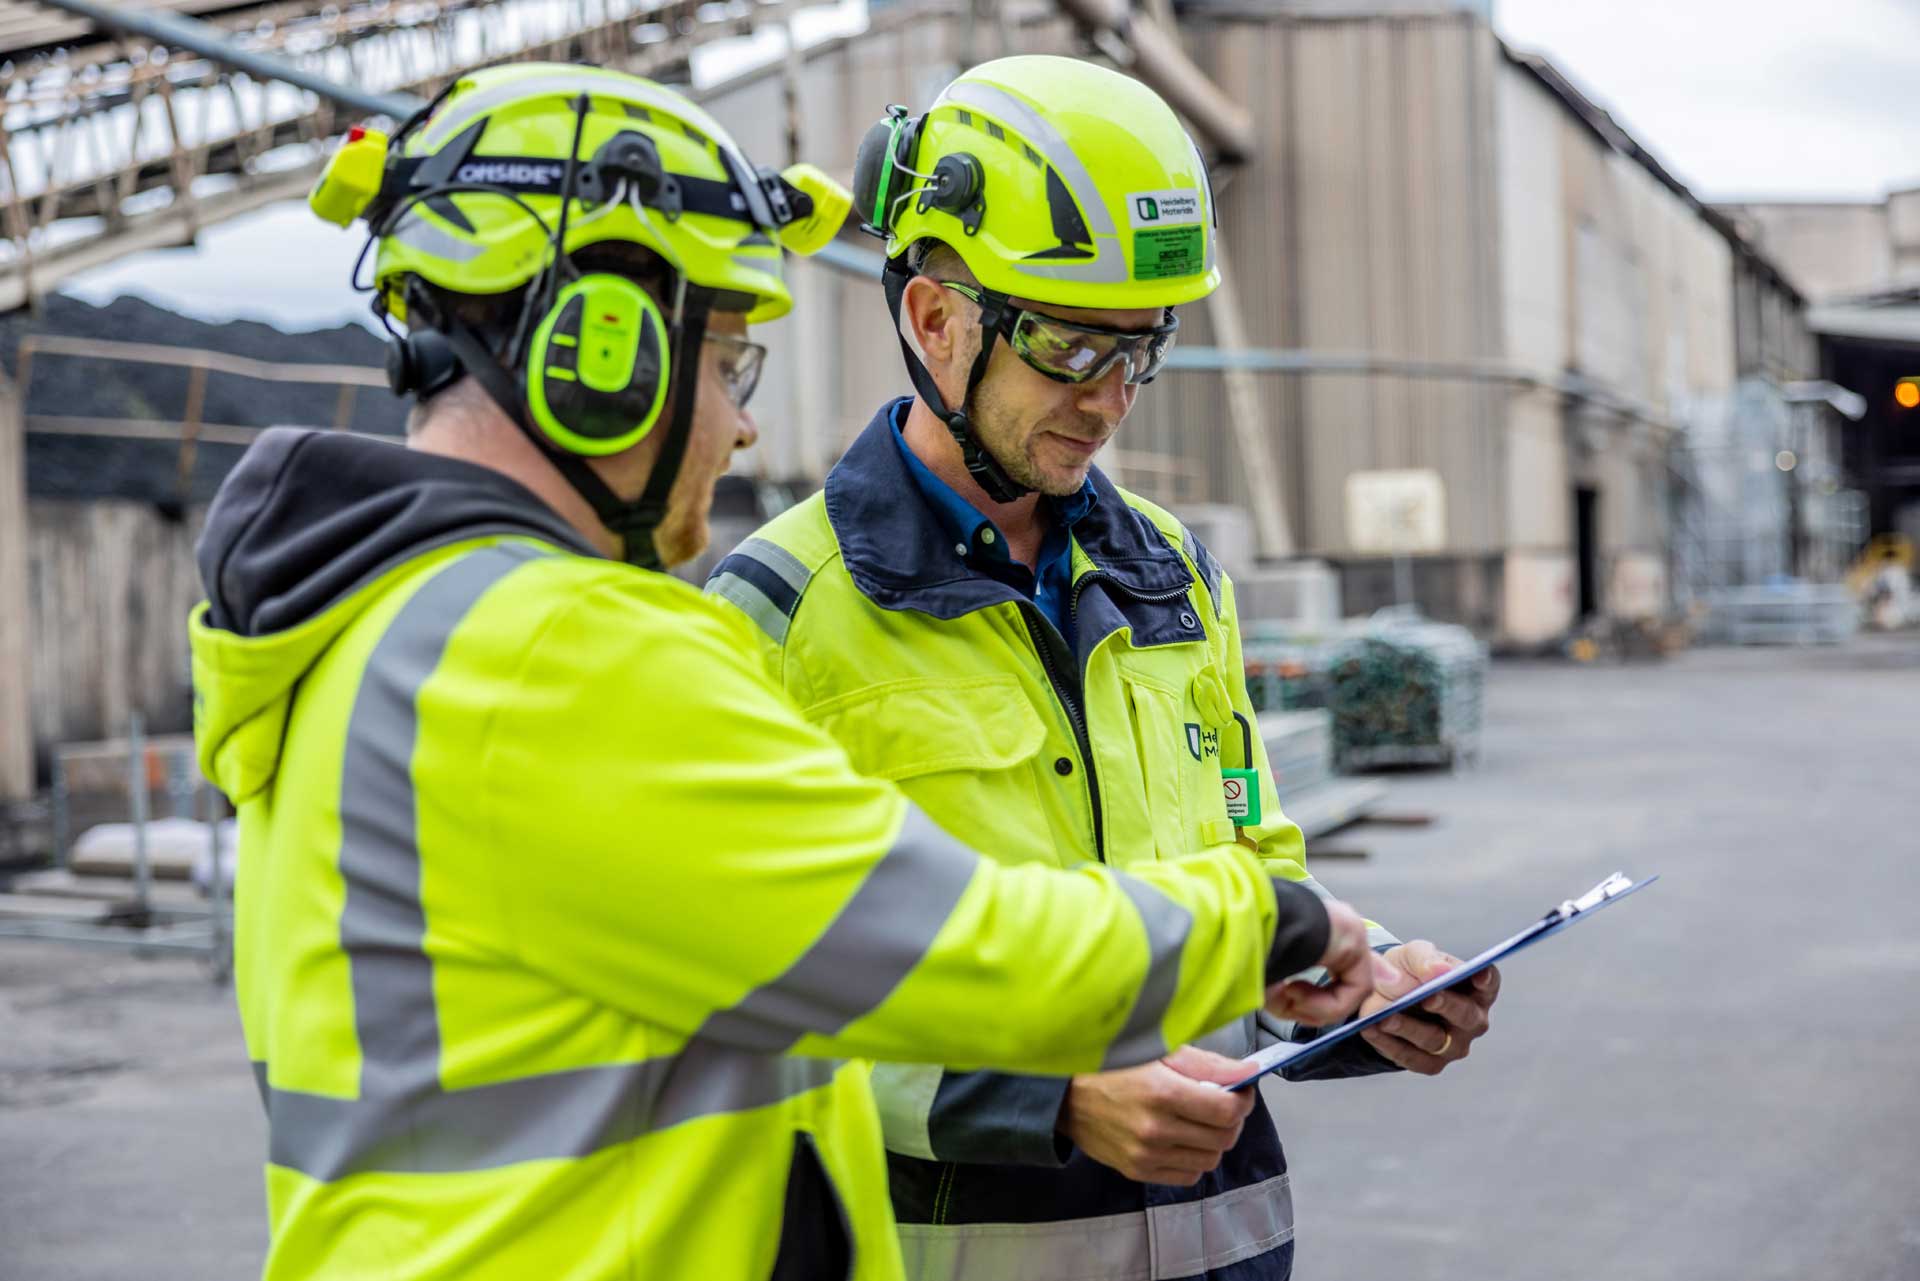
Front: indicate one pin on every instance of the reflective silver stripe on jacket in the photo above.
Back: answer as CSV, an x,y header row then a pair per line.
x,y
1167,925
1160,1244
764,581
403,1119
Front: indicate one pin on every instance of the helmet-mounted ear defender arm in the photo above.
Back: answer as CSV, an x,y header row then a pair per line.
x,y
981,465
883,174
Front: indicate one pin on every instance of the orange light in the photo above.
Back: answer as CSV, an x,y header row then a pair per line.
x,y
1906,393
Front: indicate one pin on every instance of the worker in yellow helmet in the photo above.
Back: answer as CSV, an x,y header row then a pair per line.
x,y
1047,663
554,914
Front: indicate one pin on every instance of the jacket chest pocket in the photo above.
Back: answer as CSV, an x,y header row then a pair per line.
x,y
964,750
1179,759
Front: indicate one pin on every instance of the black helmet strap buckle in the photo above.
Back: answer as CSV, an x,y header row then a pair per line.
x,y
981,465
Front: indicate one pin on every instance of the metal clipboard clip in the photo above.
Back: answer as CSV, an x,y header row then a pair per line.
x,y
1618,883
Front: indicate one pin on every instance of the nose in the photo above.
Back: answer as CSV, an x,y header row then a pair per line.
x,y
748,434
1110,395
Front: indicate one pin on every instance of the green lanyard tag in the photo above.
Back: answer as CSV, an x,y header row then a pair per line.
x,y
1242,790
1241,787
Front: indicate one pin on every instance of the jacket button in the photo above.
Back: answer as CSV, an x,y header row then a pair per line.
x,y
1186,619
1063,767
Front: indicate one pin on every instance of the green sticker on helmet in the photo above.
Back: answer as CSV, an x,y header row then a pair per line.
x,y
1161,253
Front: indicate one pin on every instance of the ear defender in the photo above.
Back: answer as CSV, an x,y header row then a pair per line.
x,y
421,363
884,157
596,367
883,170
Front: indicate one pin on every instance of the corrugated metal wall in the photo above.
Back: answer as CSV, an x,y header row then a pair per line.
x,y
1365,223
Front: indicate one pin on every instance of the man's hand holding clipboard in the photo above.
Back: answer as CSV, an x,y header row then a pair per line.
x,y
1354,972
1376,1015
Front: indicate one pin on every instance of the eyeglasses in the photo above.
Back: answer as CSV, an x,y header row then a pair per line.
x,y
738,364
1069,352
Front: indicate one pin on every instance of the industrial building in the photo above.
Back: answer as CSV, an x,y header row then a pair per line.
x,y
1447,261
1480,347
1859,262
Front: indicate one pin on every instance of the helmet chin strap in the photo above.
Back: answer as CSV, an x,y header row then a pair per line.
x,y
981,465
632,521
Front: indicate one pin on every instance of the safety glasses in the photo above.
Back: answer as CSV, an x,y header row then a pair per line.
x,y
1068,352
738,362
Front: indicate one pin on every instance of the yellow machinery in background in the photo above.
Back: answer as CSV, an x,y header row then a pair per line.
x,y
1882,579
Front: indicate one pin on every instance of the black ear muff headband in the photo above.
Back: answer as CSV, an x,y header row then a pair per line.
x,y
981,465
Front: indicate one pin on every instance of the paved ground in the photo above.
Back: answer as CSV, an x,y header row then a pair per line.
x,y
1717,1082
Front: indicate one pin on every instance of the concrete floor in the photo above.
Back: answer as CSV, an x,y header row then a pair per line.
x,y
1716,1080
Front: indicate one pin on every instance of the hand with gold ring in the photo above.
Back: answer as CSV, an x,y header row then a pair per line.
x,y
1448,1023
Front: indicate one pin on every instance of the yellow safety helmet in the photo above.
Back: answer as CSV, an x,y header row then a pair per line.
x,y
1054,179
513,184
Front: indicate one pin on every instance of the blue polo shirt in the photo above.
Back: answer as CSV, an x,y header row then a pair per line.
x,y
985,547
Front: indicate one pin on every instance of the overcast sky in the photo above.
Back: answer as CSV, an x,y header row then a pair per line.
x,y
1739,98
1797,98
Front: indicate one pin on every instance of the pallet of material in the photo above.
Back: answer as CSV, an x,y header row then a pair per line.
x,y
36,907
60,883
1333,805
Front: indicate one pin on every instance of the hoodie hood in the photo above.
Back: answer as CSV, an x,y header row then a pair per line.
x,y
300,528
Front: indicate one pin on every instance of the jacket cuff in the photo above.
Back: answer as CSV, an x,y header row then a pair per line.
x,y
1352,1057
1301,930
997,1118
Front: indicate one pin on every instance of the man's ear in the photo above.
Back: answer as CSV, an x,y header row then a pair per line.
x,y
938,325
930,314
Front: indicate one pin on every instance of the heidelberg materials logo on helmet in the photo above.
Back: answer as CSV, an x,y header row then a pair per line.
x,y
1168,238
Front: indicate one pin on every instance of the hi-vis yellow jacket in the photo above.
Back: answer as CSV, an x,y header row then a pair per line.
x,y
555,915
898,626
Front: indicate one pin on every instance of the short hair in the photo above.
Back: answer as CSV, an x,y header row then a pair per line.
x,y
940,260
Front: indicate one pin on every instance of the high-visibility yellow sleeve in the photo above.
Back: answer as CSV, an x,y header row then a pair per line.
x,y
668,834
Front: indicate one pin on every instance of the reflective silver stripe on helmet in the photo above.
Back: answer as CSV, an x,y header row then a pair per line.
x,y
415,231
1109,263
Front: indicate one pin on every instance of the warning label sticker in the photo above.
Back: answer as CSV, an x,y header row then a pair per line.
x,y
1169,251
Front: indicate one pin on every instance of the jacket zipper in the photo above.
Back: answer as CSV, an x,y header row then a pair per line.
x,y
1045,638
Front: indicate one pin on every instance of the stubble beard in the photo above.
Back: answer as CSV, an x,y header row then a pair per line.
x,y
1012,446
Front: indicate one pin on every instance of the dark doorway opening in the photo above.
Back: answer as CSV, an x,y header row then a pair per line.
x,y
1586,545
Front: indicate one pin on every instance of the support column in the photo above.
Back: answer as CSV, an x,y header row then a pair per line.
x,y
16,674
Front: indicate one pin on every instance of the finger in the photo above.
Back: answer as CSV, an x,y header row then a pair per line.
x,y
1403,1053
1207,1104
1423,959
1205,1065
1318,1006
1462,1013
1163,1135
1393,976
1431,1037
1487,982
1203,1102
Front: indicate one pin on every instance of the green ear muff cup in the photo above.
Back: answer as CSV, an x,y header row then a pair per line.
x,y
596,367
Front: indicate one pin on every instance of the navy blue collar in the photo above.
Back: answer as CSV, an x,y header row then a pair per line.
x,y
901,557
967,525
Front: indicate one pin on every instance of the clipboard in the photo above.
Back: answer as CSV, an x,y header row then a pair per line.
x,y
1572,912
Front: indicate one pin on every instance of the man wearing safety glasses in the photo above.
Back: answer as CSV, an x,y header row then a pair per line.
x,y
1045,662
